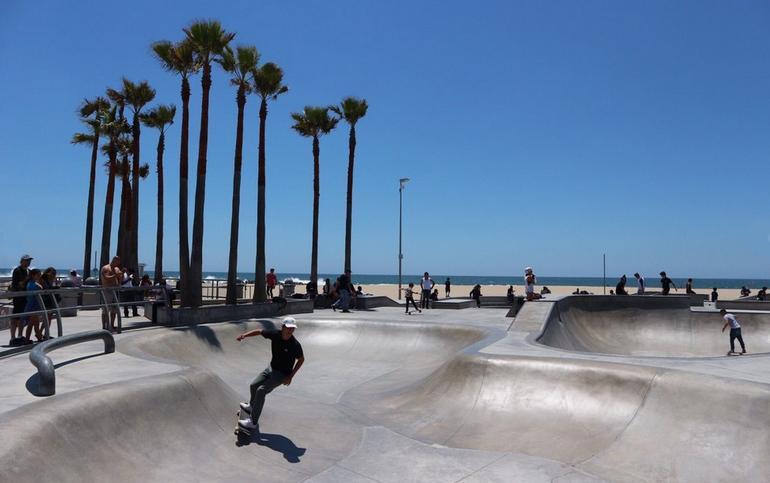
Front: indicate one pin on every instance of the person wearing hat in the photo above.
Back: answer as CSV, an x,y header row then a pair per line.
x,y
286,361
529,284
18,279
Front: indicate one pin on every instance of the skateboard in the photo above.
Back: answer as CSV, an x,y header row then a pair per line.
x,y
731,353
240,431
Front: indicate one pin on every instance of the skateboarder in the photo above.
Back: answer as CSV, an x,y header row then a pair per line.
x,y
286,361
735,331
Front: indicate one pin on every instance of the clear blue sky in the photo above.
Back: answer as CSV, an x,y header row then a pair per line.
x,y
537,133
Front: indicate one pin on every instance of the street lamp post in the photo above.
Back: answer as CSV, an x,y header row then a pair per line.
x,y
401,183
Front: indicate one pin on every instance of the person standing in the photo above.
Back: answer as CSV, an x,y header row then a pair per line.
x,y
345,291
110,277
640,286
33,305
735,331
714,295
128,282
426,284
666,283
447,287
18,284
271,280
620,288
287,358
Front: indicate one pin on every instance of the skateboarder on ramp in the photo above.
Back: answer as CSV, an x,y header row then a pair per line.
x,y
735,331
286,361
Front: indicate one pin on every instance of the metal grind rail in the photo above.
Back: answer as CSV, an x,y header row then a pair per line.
x,y
45,367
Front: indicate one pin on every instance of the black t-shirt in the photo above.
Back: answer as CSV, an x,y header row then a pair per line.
x,y
285,352
18,277
343,282
665,282
620,288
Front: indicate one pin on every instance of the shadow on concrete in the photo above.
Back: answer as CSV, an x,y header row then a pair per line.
x,y
207,335
33,383
281,444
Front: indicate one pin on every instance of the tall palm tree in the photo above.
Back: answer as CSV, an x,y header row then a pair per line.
x,y
268,84
209,40
314,122
137,95
123,169
112,128
91,111
351,110
118,98
179,58
160,118
241,65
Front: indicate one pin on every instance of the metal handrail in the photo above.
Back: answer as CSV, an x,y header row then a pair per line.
x,y
44,364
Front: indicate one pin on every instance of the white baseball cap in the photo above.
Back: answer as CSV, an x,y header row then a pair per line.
x,y
290,322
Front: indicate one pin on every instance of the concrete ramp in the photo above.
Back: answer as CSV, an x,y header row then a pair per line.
x,y
646,326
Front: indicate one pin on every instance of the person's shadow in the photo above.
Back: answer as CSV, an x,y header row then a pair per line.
x,y
281,444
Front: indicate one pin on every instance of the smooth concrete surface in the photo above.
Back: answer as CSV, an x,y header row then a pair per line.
x,y
444,395
647,326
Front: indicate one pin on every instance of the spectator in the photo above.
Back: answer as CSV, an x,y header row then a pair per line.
x,y
476,295
612,292
447,287
620,288
327,286
666,283
433,297
688,288
32,284
128,295
509,294
271,280
77,280
311,289
576,292
163,298
745,292
18,284
359,291
426,284
110,276
529,284
48,282
714,295
762,294
640,286
545,291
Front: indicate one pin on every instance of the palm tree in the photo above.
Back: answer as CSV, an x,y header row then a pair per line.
x,y
268,84
91,107
118,98
209,40
351,110
137,96
314,122
123,169
179,58
241,64
160,118
112,128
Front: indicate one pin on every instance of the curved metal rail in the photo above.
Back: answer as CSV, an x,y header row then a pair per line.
x,y
44,364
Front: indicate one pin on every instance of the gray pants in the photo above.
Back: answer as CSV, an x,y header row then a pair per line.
x,y
344,300
260,387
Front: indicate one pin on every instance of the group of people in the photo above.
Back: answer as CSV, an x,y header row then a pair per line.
x,y
641,285
428,293
30,309
761,293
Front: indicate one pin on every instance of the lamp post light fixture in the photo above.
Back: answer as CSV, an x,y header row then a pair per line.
x,y
401,183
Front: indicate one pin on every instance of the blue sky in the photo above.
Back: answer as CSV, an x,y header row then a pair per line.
x,y
538,133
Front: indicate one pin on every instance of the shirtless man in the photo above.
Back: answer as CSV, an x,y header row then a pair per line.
x,y
110,276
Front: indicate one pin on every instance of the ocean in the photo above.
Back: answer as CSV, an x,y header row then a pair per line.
x,y
375,279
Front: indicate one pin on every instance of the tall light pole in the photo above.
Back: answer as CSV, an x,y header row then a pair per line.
x,y
401,183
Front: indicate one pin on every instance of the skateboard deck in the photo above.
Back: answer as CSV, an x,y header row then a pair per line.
x,y
731,353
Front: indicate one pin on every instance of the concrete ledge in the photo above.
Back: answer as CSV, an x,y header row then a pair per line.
x,y
223,313
365,302
453,304
743,304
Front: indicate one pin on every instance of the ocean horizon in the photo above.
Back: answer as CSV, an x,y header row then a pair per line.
x,y
384,279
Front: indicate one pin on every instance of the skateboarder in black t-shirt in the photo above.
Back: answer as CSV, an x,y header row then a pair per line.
x,y
286,361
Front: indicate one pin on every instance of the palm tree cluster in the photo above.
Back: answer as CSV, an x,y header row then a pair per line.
x,y
204,45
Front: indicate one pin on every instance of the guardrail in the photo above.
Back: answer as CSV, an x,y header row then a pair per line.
x,y
45,367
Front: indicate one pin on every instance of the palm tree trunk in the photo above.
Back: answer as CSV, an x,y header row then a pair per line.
x,y
124,226
260,290
159,230
316,198
232,269
349,217
184,234
196,260
90,208
108,202
133,227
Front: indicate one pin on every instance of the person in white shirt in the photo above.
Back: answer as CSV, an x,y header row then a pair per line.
x,y
640,284
529,284
426,284
735,331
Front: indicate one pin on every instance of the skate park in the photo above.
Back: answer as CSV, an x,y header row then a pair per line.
x,y
577,388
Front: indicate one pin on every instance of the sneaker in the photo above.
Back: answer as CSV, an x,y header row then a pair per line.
x,y
346,311
247,423
246,407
